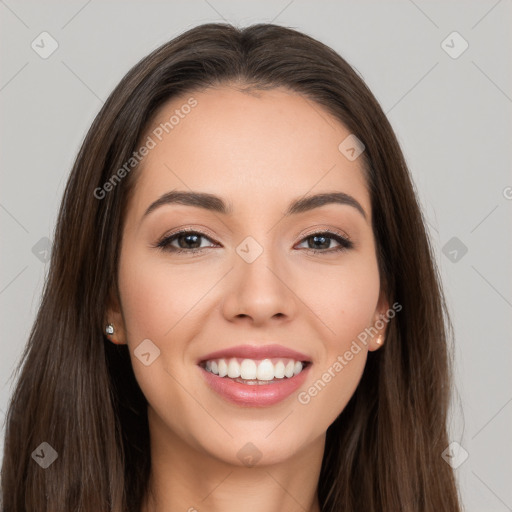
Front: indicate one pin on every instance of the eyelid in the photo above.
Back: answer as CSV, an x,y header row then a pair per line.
x,y
200,230
324,229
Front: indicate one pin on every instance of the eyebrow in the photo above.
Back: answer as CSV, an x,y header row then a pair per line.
x,y
217,204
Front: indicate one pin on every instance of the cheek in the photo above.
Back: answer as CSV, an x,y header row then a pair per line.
x,y
343,297
156,298
353,307
162,303
347,306
158,304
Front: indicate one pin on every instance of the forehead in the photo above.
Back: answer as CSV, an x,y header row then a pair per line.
x,y
256,149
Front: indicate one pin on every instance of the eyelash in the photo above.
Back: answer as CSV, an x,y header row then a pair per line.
x,y
164,243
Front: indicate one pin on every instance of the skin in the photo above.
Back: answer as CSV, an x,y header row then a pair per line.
x,y
258,151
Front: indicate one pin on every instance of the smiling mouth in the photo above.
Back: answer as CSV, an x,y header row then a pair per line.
x,y
255,372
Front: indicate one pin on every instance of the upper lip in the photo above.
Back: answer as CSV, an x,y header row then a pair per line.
x,y
256,352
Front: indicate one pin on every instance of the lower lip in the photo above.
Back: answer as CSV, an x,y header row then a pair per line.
x,y
256,395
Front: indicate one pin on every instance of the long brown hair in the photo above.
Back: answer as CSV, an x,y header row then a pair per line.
x,y
77,391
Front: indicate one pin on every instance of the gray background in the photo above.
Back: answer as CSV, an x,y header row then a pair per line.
x,y
452,117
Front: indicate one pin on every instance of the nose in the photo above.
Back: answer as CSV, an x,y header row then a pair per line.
x,y
259,292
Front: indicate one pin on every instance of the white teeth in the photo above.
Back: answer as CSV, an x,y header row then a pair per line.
x,y
223,368
252,370
288,371
248,369
265,370
233,369
279,370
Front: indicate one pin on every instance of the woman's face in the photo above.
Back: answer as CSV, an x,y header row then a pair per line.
x,y
256,289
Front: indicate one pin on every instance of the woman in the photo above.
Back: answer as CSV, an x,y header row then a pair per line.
x,y
242,309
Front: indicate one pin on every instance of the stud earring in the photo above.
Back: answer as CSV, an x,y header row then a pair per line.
x,y
109,329
379,340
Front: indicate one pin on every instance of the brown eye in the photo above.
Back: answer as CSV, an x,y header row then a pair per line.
x,y
321,242
187,241
191,242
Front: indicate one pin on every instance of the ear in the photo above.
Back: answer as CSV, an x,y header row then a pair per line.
x,y
380,323
114,316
